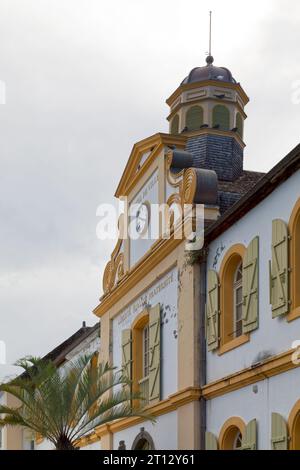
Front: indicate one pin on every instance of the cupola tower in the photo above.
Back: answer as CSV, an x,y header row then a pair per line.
x,y
209,108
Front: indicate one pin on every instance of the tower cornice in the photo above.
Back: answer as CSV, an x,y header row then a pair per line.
x,y
208,83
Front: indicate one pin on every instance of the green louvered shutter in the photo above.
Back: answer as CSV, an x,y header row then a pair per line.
x,y
154,351
249,441
127,353
212,311
194,118
221,117
175,125
250,287
279,269
279,438
211,442
239,124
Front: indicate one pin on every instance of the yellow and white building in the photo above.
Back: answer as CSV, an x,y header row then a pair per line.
x,y
152,311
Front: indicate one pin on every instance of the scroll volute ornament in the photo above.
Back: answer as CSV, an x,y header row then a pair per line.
x,y
114,270
189,186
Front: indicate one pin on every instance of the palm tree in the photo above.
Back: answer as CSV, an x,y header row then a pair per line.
x,y
64,405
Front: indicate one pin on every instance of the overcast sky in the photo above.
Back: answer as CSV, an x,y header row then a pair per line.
x,y
85,80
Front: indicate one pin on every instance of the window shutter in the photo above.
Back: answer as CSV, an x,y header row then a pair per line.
x,y
250,287
212,311
279,269
249,441
279,439
175,125
194,118
127,353
211,442
154,351
221,117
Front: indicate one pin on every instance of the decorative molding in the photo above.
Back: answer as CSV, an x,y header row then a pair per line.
x,y
294,253
230,424
189,186
158,141
190,86
174,179
172,403
230,261
114,270
293,420
234,344
258,372
149,261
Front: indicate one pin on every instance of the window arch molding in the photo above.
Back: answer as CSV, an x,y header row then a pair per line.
x,y
294,427
229,432
137,327
230,263
294,230
142,439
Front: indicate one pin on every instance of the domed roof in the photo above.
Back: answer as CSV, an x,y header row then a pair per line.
x,y
209,72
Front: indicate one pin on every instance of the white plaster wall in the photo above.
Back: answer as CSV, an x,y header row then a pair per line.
x,y
276,395
164,291
149,193
163,432
273,336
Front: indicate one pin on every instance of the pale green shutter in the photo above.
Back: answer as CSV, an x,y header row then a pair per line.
x,y
250,287
154,351
221,117
239,124
279,438
175,125
212,311
211,442
127,354
249,441
279,269
194,118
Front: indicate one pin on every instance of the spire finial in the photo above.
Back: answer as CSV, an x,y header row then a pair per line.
x,y
209,58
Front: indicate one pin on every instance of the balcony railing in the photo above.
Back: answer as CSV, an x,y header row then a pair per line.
x,y
144,391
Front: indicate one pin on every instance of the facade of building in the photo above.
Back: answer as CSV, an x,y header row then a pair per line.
x,y
253,309
207,334
154,291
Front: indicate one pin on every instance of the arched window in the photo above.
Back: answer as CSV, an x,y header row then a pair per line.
x,y
231,299
143,441
221,117
294,227
240,125
194,118
238,301
231,434
175,125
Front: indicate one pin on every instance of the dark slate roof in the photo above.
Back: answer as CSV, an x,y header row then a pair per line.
x,y
58,354
209,72
242,184
230,192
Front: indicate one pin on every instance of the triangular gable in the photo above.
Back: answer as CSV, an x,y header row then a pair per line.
x,y
141,157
